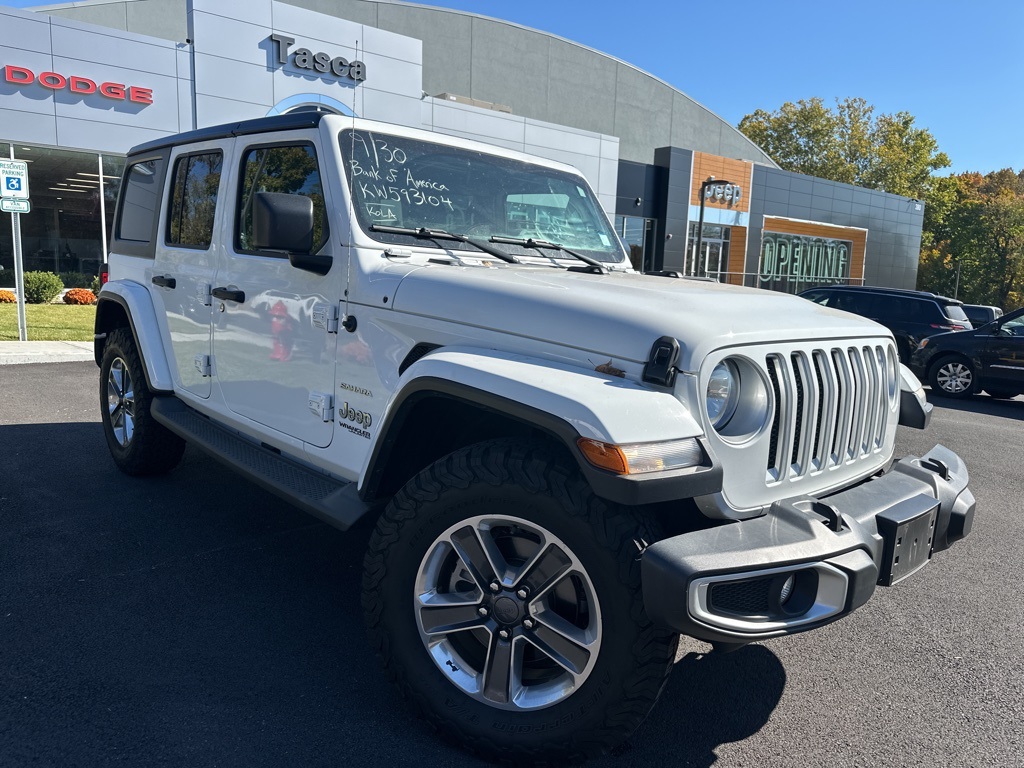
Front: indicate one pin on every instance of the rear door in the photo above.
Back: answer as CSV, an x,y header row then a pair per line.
x,y
273,337
186,261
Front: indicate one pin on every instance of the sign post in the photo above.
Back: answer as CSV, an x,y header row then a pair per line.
x,y
15,199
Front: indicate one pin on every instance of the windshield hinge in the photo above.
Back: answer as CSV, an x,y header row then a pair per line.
x,y
661,365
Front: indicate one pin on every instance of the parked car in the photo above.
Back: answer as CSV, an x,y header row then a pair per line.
x,y
990,358
910,315
981,314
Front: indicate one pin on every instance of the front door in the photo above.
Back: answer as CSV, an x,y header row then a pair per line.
x,y
273,340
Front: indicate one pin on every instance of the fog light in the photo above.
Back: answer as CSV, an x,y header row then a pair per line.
x,y
787,589
793,593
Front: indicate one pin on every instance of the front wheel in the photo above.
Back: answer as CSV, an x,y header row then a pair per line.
x,y
138,444
952,377
504,599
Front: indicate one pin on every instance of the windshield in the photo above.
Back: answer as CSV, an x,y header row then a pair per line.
x,y
399,182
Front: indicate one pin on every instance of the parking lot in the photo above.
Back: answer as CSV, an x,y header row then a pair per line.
x,y
195,620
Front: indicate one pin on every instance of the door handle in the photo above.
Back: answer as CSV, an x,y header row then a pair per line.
x,y
164,281
228,294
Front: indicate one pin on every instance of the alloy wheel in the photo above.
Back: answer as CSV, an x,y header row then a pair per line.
x,y
955,377
508,613
121,402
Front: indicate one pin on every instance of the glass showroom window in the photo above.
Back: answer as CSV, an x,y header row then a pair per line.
x,y
64,233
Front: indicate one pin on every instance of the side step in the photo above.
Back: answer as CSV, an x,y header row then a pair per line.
x,y
333,501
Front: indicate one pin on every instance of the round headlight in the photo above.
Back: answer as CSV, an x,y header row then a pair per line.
x,y
722,394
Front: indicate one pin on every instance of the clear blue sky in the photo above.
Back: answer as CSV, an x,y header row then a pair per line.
x,y
956,67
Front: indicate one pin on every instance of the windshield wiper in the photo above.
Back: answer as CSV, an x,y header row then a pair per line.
x,y
440,234
538,245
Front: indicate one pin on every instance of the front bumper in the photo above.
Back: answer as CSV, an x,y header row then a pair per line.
x,y
808,561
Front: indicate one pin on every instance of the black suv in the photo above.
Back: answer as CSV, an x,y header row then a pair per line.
x,y
910,315
990,358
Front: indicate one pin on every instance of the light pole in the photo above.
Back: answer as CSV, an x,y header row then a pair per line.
x,y
711,180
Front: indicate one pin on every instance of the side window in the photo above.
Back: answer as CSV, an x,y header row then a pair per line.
x,y
140,201
289,169
858,303
956,312
893,308
193,200
1014,327
818,297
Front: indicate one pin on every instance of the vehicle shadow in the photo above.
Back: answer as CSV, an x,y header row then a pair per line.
x,y
710,699
1008,409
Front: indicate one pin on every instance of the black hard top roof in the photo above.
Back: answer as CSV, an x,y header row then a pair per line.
x,y
290,120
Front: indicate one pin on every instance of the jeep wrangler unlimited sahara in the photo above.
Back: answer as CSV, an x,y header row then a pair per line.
x,y
569,464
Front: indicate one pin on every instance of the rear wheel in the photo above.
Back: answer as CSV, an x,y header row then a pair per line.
x,y
953,377
504,599
138,444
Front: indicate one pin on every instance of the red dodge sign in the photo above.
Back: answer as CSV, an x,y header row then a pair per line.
x,y
81,85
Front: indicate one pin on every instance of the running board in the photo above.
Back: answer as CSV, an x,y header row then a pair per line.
x,y
336,502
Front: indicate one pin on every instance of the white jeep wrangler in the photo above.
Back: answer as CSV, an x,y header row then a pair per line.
x,y
568,463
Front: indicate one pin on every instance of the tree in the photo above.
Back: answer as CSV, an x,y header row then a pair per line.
x,y
849,144
977,246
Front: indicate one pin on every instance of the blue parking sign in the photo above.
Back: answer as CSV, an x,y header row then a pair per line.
x,y
14,179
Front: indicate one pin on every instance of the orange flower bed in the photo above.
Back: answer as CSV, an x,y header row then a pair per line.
x,y
6,297
79,296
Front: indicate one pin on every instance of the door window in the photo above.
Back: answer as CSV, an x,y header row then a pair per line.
x,y
1014,327
291,169
193,200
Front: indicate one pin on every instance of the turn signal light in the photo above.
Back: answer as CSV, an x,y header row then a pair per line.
x,y
637,458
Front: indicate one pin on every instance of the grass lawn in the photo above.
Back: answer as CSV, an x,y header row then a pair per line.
x,y
49,322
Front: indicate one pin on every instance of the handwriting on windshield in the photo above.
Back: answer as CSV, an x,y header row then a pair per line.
x,y
381,176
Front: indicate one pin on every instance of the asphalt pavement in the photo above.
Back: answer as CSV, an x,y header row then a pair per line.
x,y
194,620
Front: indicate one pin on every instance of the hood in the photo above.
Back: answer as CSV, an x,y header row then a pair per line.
x,y
620,315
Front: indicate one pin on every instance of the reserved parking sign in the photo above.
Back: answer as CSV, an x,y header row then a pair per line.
x,y
14,179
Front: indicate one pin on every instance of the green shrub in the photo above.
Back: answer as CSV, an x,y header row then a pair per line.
x,y
75,279
42,287
95,285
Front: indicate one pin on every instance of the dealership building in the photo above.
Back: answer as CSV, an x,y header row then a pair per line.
x,y
82,82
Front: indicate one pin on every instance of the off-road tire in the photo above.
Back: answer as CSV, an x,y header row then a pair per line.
x,y
148,448
533,482
953,376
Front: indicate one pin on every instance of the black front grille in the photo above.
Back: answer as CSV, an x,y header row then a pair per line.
x,y
773,442
748,598
798,380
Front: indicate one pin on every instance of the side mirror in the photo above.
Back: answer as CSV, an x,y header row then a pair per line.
x,y
283,222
